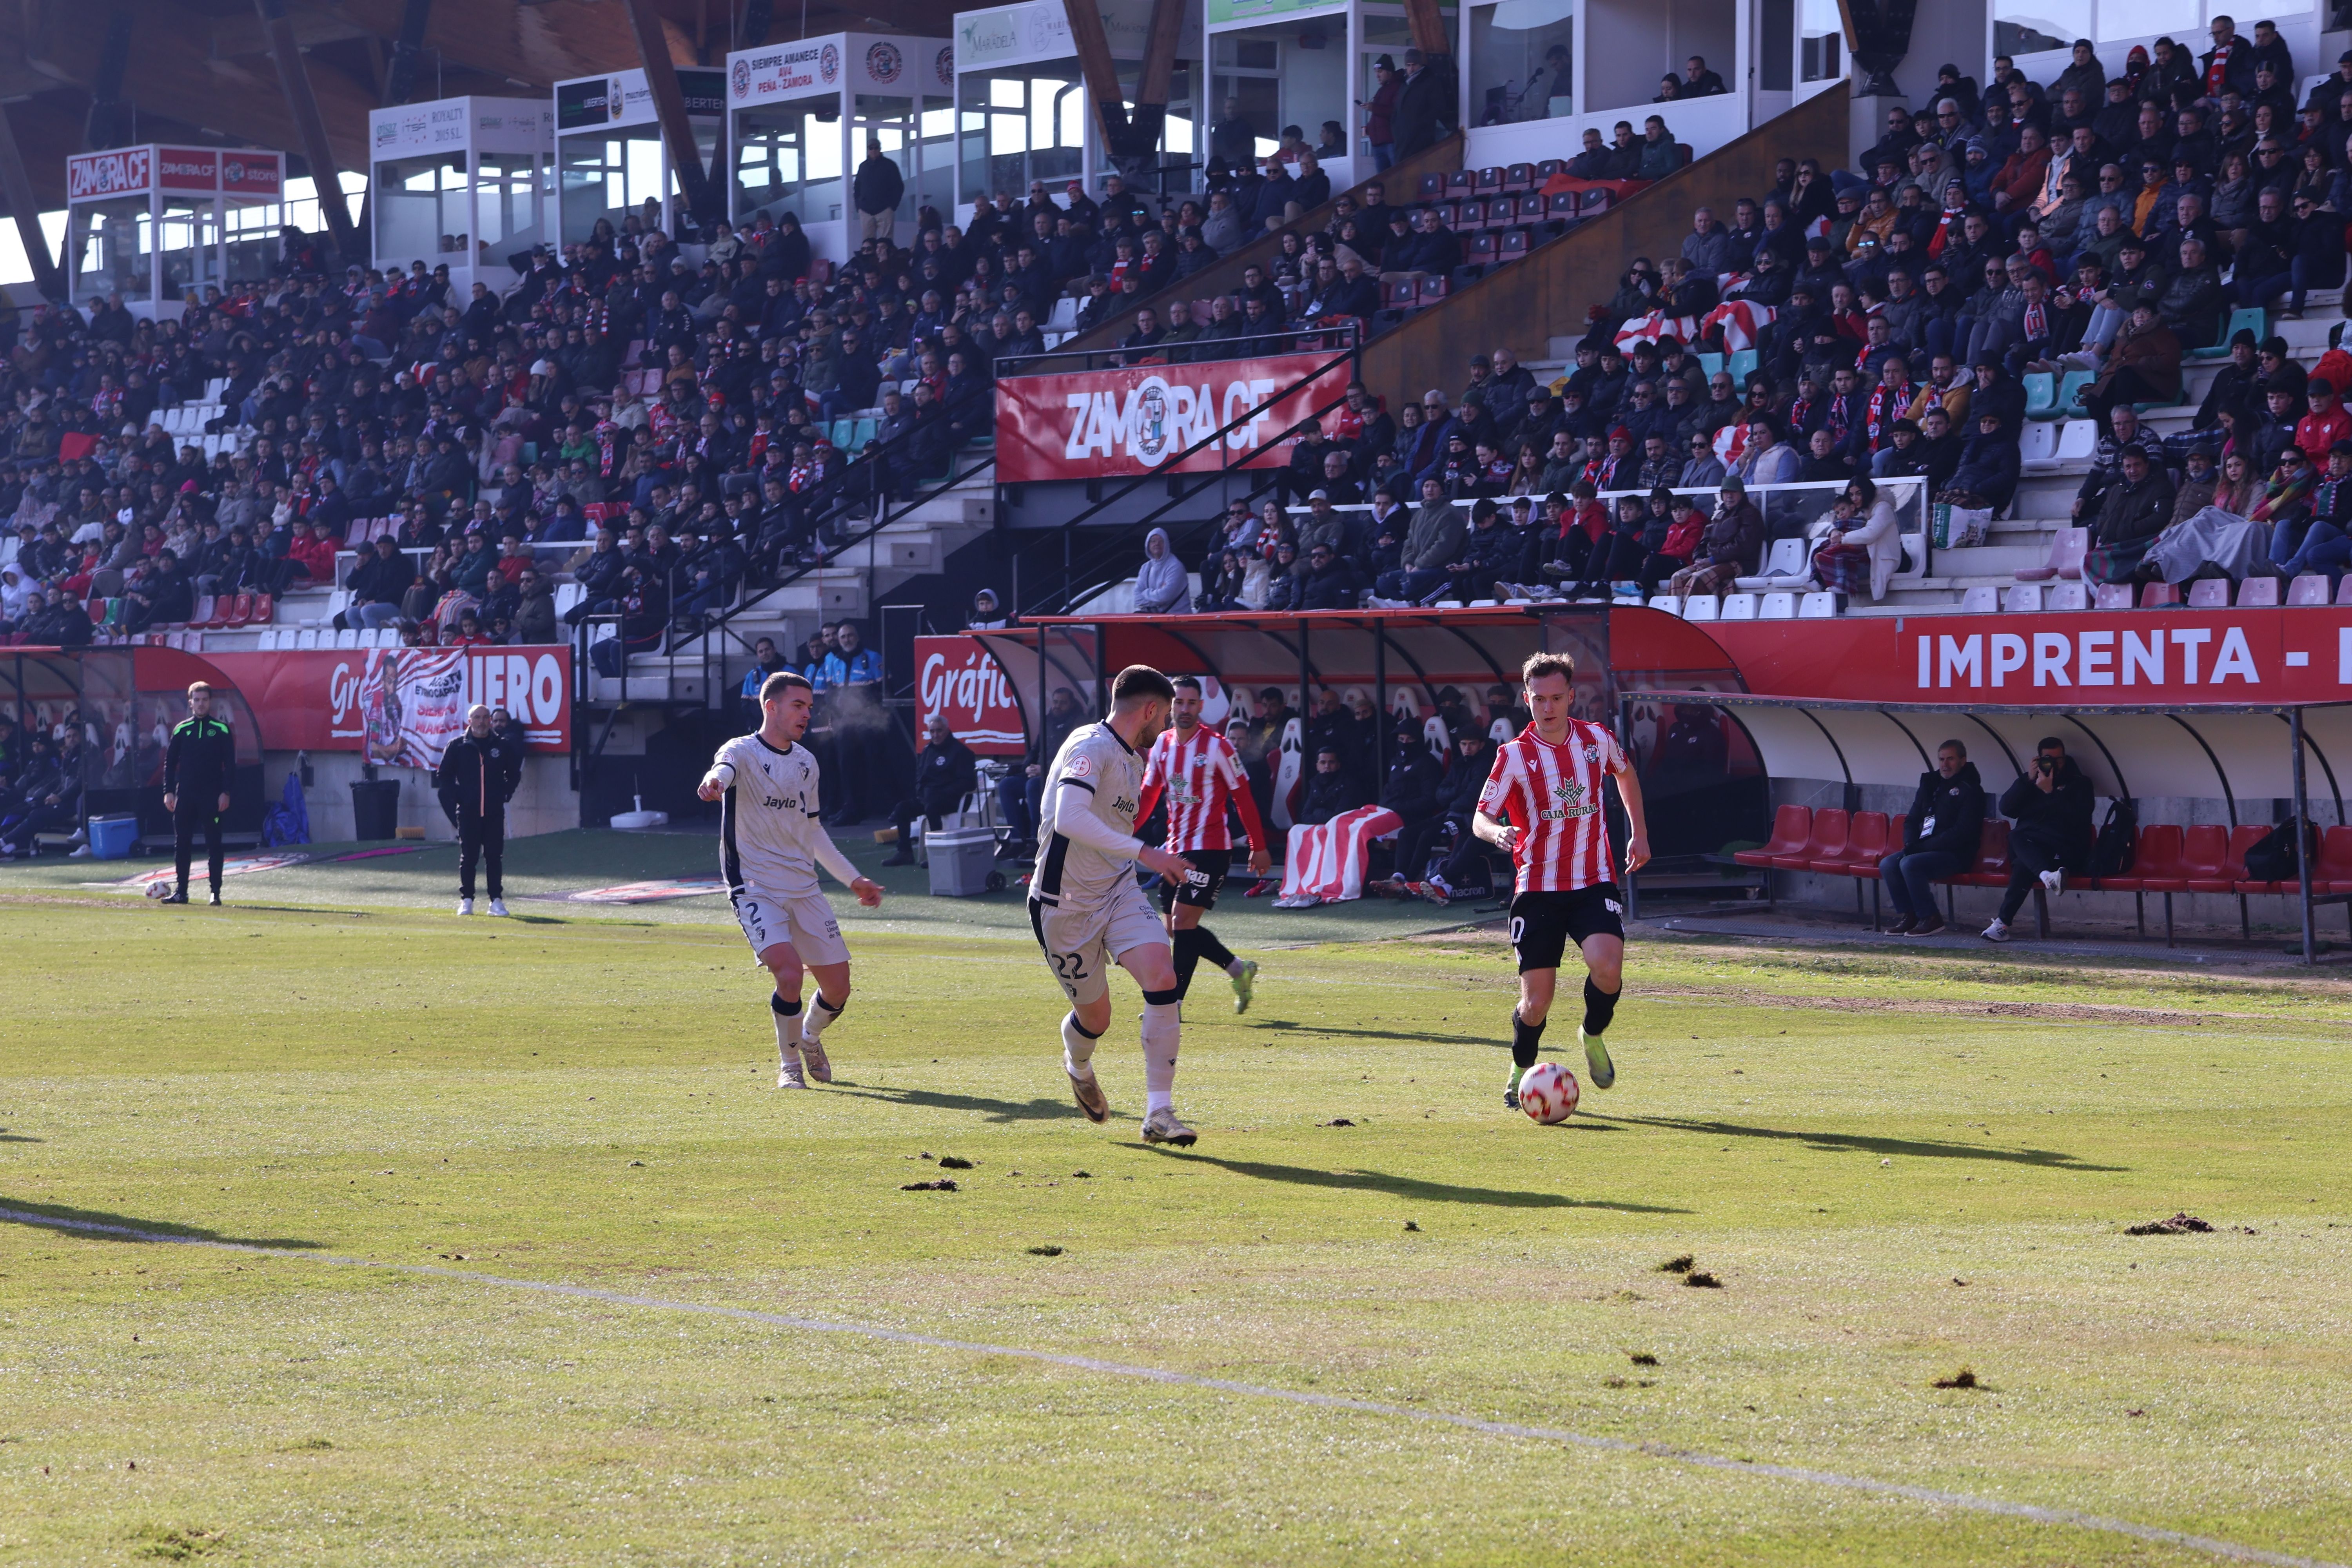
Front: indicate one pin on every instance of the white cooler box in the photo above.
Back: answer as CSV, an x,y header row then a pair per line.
x,y
963,861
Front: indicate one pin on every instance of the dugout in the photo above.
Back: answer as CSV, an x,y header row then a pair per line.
x,y
1637,671
2260,763
125,700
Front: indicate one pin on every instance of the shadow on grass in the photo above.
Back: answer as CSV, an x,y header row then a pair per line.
x,y
17,1138
1289,1025
1408,1186
96,1225
1842,1142
996,1110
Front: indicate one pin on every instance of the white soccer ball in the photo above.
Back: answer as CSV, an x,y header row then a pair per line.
x,y
158,888
1548,1093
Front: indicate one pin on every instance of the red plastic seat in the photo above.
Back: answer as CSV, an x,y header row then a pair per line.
x,y
2156,863
1432,289
2204,851
1433,187
2233,870
1461,183
1529,209
1490,181
1991,869
1864,846
1791,825
240,612
1826,842
1561,207
1482,248
265,610
1549,167
1520,177
1449,214
1399,295
2332,871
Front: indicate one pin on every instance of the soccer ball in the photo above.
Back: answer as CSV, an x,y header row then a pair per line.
x,y
158,888
1548,1093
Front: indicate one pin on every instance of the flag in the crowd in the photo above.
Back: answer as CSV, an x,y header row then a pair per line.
x,y
1654,326
1731,443
1742,323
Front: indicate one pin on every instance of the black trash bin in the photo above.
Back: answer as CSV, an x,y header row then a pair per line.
x,y
375,808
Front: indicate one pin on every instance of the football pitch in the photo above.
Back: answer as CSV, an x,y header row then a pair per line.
x,y
338,1232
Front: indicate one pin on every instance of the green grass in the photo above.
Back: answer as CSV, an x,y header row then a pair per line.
x,y
1898,1163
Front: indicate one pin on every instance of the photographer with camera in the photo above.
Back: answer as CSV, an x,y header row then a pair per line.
x,y
2050,805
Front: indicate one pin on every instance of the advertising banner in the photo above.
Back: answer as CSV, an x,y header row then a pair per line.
x,y
1103,423
2103,659
245,173
119,173
956,677
188,168
401,705
815,66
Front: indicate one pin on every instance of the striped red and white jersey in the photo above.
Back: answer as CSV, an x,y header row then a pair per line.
x,y
1552,795
1200,777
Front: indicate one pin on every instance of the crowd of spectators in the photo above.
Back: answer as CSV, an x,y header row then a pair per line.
x,y
2102,227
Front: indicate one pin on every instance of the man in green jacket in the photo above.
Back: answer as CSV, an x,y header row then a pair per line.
x,y
197,772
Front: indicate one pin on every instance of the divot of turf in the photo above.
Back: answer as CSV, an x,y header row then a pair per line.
x,y
2178,1225
1681,1264
1049,1250
1963,1378
944,1184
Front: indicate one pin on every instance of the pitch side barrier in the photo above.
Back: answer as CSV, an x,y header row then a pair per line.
x,y
2242,752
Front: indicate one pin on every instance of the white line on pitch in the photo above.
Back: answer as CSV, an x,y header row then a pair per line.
x,y
2031,1513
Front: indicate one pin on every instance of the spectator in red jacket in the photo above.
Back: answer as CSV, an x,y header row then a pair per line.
x,y
2318,431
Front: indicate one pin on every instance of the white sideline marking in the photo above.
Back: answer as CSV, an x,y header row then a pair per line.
x,y
2031,1513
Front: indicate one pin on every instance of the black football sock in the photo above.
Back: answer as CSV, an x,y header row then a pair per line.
x,y
1185,940
1217,953
1600,1007
1524,1037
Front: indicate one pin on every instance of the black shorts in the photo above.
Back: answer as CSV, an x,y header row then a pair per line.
x,y
1208,879
1545,925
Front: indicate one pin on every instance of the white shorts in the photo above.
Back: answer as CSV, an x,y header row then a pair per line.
x,y
1082,942
804,919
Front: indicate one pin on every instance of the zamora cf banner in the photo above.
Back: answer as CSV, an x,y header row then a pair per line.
x,y
1103,423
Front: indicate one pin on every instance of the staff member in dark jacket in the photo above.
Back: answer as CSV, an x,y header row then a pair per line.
x,y
2051,804
197,772
877,191
1941,835
477,777
944,774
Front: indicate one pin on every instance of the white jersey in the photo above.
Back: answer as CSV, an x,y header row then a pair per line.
x,y
768,835
1095,762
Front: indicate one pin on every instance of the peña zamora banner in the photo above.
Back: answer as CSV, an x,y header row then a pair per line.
x,y
1104,424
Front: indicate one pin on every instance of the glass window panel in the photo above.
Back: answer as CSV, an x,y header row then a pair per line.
x,y
1519,60
1820,41
506,199
605,176
788,159
107,247
2142,18
2032,26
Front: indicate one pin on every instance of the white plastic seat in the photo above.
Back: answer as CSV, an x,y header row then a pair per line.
x,y
1702,607
1980,601
2025,599
2210,594
1817,608
567,597
1670,603
2068,546
2114,596
2074,596
2077,438
2308,589
1914,548
1738,607
1785,565
1776,606
2258,594
347,638
308,637
2038,445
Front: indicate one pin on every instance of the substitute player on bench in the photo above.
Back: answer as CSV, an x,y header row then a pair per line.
x,y
1201,774
770,845
1542,805
197,768
1085,908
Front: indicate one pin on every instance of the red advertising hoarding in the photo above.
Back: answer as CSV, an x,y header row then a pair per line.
x,y
2103,659
955,675
401,705
122,172
187,168
1105,424
245,173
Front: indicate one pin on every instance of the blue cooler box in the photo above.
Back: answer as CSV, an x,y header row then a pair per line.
x,y
112,837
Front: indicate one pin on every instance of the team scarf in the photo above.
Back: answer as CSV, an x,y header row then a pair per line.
x,y
2037,323
1885,406
2216,73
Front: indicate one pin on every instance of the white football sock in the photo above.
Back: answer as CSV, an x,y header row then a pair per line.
x,y
1158,1100
1162,1031
821,1013
1077,1044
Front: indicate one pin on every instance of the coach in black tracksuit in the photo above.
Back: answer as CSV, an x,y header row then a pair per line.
x,y
478,776
197,772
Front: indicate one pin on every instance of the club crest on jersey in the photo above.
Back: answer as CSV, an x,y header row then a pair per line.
x,y
1081,766
1591,753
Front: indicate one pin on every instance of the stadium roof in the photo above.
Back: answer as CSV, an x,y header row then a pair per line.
x,y
201,71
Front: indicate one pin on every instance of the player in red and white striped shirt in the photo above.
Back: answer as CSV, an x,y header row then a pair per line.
x,y
1200,773
1543,805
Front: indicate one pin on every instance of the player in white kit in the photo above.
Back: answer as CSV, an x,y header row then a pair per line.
x,y
1085,908
771,845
